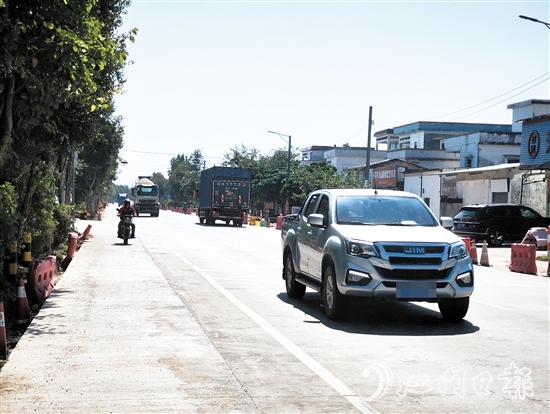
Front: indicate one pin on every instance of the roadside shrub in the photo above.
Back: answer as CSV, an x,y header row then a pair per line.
x,y
9,218
63,216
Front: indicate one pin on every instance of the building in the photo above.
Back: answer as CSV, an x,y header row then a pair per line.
x,y
344,157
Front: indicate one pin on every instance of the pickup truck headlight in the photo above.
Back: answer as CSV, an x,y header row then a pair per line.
x,y
458,250
361,248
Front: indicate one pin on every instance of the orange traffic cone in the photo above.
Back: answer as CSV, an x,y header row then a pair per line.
x,y
3,336
473,252
484,255
22,311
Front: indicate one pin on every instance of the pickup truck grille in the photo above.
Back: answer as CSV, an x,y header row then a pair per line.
x,y
403,249
399,260
413,274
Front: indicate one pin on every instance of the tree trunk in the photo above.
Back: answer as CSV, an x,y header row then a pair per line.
x,y
7,119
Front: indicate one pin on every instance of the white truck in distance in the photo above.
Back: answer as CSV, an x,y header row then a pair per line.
x,y
146,196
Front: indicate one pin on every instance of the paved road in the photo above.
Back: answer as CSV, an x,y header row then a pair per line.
x,y
192,318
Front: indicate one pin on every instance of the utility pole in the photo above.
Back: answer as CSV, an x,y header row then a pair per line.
x,y
367,165
287,168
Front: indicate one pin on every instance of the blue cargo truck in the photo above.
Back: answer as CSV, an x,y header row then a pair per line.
x,y
224,194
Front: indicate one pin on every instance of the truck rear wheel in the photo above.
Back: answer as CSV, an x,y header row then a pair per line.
x,y
454,309
294,289
201,220
334,301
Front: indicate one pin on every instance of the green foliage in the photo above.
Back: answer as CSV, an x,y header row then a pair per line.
x,y
184,177
8,216
160,180
63,218
60,66
306,178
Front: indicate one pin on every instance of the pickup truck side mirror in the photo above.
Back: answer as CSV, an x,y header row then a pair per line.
x,y
316,220
447,222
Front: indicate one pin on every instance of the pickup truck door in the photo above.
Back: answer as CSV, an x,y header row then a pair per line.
x,y
303,233
317,239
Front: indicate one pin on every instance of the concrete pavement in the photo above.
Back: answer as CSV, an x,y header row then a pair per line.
x,y
499,258
115,337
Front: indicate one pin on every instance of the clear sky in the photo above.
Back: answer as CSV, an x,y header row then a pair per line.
x,y
214,75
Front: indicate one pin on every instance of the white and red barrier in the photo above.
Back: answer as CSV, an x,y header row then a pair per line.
x,y
523,258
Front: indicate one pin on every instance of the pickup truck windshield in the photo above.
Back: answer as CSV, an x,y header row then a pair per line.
x,y
380,210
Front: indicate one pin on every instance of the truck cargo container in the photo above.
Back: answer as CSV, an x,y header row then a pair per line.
x,y
224,195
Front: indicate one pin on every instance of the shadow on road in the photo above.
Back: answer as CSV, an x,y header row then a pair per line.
x,y
378,317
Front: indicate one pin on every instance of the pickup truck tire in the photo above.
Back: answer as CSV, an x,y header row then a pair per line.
x,y
334,301
201,220
454,309
294,289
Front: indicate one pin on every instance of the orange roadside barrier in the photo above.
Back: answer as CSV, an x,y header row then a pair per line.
x,y
467,242
473,252
523,258
86,232
22,310
484,261
3,336
71,249
40,280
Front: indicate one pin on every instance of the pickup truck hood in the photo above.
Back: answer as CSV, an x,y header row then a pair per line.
x,y
407,234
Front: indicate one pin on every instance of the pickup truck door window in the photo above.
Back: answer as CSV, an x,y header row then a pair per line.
x,y
317,240
303,236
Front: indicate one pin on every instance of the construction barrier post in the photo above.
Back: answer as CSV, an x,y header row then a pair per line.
x,y
27,257
22,311
3,336
71,249
12,273
86,233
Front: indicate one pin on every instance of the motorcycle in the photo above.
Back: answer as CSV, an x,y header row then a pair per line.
x,y
126,227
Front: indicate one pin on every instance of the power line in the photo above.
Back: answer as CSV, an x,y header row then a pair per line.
x,y
496,97
389,123
504,100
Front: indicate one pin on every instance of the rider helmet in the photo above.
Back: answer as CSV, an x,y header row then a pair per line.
x,y
127,203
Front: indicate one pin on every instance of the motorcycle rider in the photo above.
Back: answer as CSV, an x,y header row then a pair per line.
x,y
126,209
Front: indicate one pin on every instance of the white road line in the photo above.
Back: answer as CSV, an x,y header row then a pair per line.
x,y
490,304
358,401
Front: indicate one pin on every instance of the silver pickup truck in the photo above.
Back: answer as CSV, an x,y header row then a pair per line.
x,y
374,244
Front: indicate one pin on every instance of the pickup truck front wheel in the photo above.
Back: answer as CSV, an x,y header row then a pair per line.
x,y
454,309
334,301
294,289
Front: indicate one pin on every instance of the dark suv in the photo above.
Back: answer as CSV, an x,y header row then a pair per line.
x,y
497,222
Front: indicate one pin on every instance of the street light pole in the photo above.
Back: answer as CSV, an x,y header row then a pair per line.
x,y
534,20
287,168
